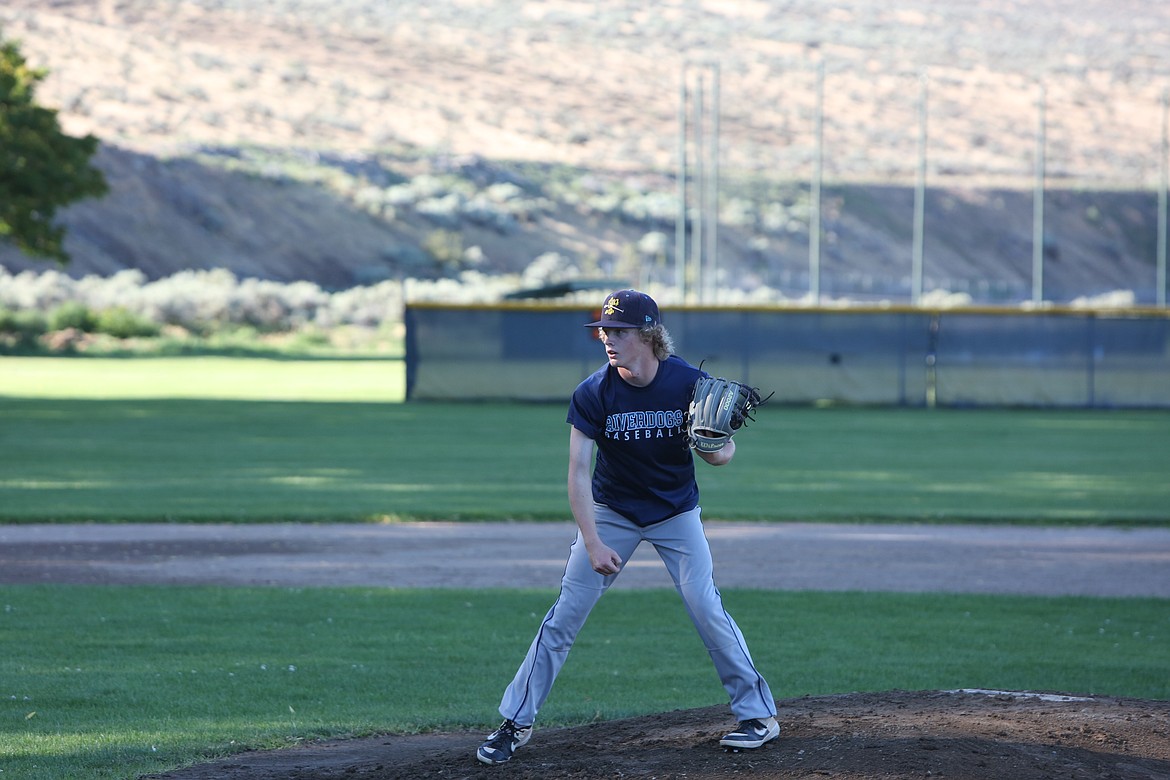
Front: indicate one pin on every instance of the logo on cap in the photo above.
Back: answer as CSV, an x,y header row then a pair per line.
x,y
626,309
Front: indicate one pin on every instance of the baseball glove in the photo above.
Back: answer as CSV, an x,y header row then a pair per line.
x,y
719,407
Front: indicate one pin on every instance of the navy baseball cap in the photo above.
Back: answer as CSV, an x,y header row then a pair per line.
x,y
627,309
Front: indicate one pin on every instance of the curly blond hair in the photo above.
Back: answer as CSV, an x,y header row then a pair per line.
x,y
658,337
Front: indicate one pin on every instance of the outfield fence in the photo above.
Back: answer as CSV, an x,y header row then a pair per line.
x,y
878,356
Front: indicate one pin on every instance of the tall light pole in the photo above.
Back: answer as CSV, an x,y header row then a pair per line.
x,y
700,190
916,260
1164,164
680,223
1038,203
694,275
712,273
814,222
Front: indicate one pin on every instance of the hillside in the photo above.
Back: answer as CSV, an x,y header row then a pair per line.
x,y
348,141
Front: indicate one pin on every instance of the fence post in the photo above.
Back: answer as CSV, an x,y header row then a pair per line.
x,y
934,327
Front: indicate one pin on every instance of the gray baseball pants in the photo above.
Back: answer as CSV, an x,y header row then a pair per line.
x,y
684,550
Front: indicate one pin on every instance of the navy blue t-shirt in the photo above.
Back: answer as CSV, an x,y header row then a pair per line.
x,y
644,469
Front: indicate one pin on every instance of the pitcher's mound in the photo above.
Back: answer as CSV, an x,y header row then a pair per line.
x,y
969,734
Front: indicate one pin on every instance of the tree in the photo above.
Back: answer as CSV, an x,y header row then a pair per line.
x,y
41,168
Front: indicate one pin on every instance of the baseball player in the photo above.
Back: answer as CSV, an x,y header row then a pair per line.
x,y
642,488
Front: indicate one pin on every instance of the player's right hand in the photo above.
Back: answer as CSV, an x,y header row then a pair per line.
x,y
604,560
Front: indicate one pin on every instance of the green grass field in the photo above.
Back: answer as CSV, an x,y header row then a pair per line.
x,y
205,377
115,682
199,460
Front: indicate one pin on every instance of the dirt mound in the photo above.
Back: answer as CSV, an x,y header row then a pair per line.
x,y
977,735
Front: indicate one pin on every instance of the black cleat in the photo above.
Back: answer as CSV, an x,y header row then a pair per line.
x,y
502,743
751,734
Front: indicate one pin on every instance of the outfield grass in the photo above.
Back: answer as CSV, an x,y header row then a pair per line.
x,y
199,460
117,682
205,377
261,439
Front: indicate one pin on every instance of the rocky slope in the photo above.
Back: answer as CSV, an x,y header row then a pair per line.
x,y
351,141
